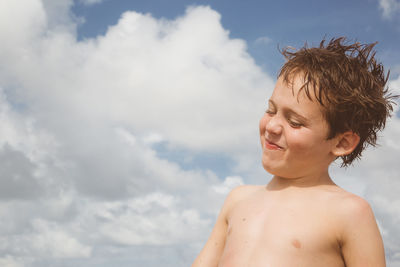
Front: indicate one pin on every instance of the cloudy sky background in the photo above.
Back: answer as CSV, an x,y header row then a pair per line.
x,y
123,124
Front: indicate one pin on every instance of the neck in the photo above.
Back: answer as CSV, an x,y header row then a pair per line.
x,y
280,183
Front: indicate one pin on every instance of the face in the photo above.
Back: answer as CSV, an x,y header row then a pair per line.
x,y
294,133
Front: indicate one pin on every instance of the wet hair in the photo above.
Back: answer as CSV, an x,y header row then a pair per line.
x,y
348,82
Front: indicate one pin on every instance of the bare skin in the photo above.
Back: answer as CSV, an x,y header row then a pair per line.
x,y
293,226
301,217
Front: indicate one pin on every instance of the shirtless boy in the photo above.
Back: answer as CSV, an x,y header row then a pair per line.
x,y
328,103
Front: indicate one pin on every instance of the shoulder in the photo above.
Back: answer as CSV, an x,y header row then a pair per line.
x,y
353,206
239,194
345,202
355,214
243,192
360,239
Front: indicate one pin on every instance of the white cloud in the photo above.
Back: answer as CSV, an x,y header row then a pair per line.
x,y
229,183
153,138
9,261
389,8
264,40
151,220
51,240
394,86
90,2
24,151
81,120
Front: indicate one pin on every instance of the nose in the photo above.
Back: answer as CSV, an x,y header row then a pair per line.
x,y
274,125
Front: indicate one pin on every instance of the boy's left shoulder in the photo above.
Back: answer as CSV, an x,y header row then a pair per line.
x,y
347,205
354,213
353,206
348,208
358,233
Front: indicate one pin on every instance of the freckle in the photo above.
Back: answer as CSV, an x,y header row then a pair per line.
x,y
296,243
244,219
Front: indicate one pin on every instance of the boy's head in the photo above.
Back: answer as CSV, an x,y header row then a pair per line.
x,y
348,83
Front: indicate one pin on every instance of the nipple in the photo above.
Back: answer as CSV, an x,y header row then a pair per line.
x,y
296,243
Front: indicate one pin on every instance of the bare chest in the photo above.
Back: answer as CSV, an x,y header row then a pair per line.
x,y
281,234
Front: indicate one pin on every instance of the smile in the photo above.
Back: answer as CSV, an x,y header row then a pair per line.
x,y
272,146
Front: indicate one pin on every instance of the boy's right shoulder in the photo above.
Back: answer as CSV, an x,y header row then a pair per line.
x,y
241,193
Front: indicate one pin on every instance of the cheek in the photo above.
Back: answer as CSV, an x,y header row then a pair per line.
x,y
307,145
302,141
263,123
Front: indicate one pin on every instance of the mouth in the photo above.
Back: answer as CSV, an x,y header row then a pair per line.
x,y
272,146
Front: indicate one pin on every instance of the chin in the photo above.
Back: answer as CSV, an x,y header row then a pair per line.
x,y
277,170
273,171
269,167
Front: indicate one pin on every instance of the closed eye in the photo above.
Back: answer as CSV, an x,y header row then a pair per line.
x,y
295,124
269,111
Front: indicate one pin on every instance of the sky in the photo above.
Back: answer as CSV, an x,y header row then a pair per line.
x,y
124,124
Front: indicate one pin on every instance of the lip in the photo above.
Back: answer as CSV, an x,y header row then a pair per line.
x,y
272,146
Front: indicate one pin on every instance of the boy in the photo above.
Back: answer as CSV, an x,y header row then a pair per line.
x,y
328,102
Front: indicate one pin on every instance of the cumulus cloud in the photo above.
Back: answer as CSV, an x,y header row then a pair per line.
x,y
90,2
81,121
8,261
229,183
17,175
389,8
264,40
83,181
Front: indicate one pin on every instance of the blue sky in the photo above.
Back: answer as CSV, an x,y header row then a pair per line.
x,y
124,124
265,26
282,22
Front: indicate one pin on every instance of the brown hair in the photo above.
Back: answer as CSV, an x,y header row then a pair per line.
x,y
348,83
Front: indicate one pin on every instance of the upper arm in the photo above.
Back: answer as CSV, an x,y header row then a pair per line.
x,y
212,251
362,244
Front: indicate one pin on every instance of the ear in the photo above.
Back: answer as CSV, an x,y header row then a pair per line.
x,y
346,143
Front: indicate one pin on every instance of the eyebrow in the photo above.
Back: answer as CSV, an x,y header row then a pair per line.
x,y
291,112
